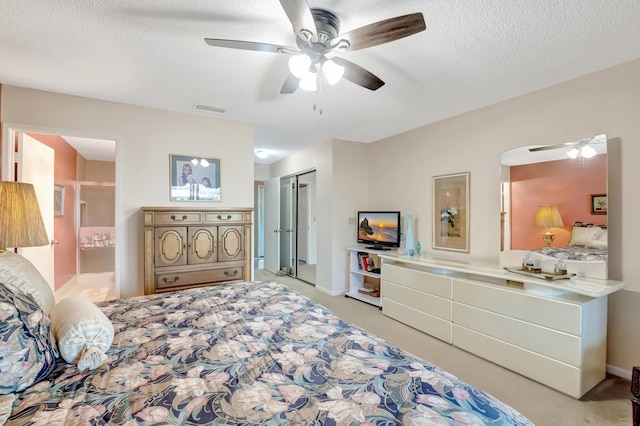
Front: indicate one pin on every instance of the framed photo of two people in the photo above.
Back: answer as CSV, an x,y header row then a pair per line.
x,y
194,178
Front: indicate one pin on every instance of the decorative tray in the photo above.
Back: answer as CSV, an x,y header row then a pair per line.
x,y
542,275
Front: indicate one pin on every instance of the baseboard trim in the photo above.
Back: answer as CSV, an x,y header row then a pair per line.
x,y
330,293
620,372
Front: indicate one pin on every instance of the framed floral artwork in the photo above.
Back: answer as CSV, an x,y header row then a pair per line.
x,y
451,212
599,204
194,178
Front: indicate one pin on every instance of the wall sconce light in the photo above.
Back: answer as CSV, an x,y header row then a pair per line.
x,y
546,217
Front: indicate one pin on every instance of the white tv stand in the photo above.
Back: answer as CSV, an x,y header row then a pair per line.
x,y
357,276
554,332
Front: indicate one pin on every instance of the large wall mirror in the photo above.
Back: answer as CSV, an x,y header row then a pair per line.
x,y
548,191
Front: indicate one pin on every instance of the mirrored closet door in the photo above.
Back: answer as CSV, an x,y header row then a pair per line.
x,y
290,226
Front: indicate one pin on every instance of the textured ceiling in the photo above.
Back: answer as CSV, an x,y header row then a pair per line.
x,y
152,53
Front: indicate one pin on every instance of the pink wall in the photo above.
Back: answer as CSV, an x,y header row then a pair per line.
x,y
64,255
562,183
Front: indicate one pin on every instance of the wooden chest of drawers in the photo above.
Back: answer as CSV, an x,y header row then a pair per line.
x,y
186,248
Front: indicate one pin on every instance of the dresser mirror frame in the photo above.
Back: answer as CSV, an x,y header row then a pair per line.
x,y
534,154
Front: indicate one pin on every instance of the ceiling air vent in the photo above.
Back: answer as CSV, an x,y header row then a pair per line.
x,y
209,109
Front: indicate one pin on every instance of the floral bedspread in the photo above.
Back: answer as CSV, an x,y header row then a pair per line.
x,y
250,353
573,253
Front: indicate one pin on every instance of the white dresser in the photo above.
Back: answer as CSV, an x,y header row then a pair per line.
x,y
420,299
552,332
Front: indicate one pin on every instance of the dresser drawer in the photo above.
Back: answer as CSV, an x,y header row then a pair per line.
x,y
545,341
177,218
418,280
424,302
223,217
434,326
173,280
555,374
559,315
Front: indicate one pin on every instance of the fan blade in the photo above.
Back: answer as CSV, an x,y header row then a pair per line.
x,y
381,32
290,85
250,45
299,14
548,147
358,75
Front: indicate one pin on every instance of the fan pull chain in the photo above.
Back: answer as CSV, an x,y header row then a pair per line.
x,y
316,107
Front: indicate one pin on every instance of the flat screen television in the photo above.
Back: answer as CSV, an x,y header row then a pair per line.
x,y
380,229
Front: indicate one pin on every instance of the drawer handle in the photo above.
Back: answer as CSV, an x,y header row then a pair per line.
x,y
235,272
221,218
184,217
166,281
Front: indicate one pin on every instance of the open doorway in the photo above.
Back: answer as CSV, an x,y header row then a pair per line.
x,y
77,160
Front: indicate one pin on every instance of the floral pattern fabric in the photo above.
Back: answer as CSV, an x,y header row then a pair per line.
x,y
27,346
251,353
573,253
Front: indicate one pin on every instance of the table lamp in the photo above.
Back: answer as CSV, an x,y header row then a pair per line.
x,y
546,217
21,223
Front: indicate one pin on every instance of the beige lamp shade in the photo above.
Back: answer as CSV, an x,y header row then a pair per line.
x,y
548,216
21,222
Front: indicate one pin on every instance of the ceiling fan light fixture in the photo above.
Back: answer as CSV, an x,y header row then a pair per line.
x,y
299,65
332,71
573,153
588,152
308,82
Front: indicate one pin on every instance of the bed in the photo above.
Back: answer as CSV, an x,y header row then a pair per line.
x,y
585,255
249,353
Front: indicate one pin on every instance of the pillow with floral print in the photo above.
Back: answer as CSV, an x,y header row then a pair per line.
x,y
27,346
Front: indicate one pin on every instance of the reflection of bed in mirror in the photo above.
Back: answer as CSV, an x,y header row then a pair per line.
x,y
585,255
565,176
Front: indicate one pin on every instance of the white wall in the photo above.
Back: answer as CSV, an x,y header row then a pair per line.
x,y
261,172
145,138
605,102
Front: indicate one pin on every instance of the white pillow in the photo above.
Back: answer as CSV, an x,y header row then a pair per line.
x,y
583,235
83,331
20,273
601,241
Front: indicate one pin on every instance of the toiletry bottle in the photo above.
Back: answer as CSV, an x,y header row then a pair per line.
x,y
559,268
527,263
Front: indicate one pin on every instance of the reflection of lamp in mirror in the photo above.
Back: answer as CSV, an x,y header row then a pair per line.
x,y
547,217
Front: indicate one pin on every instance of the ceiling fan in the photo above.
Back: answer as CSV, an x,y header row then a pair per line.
x,y
580,148
318,38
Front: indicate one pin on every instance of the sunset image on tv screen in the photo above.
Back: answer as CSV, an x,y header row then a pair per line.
x,y
381,227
